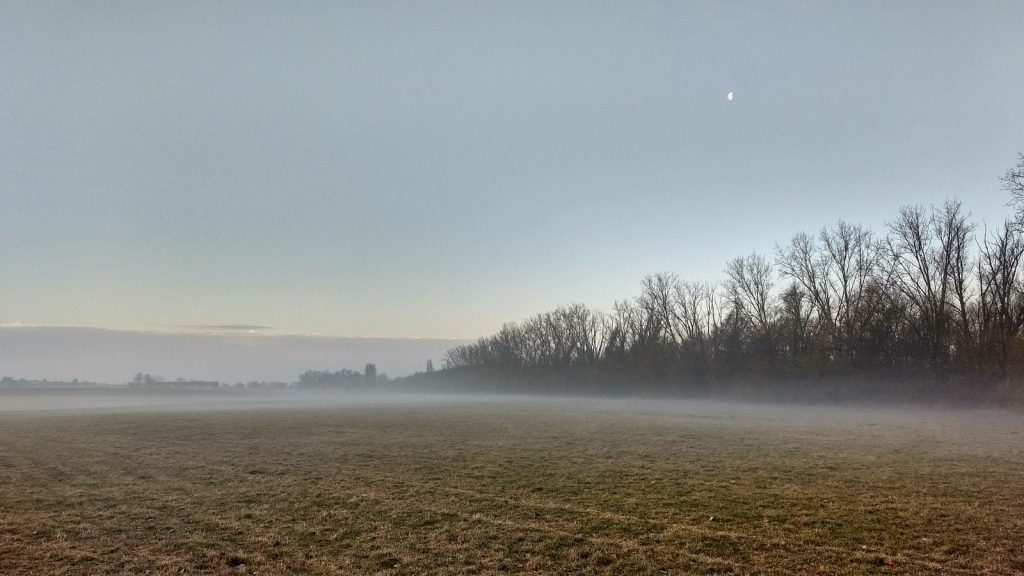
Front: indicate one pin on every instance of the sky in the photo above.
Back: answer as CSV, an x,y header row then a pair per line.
x,y
431,170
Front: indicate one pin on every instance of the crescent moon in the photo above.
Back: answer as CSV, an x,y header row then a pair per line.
x,y
730,96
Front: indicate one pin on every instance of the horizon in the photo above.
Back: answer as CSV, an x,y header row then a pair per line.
x,y
115,356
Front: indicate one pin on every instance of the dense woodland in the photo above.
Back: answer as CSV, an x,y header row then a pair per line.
x,y
930,306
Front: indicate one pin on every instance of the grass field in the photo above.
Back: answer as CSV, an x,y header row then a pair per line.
x,y
511,486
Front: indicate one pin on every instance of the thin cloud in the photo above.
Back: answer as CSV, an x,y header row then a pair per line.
x,y
225,327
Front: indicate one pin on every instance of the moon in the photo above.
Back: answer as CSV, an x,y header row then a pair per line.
x,y
730,96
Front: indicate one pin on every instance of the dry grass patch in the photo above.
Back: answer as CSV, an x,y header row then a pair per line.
x,y
580,487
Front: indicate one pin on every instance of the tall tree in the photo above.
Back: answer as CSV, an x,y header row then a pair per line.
x,y
749,284
926,250
1001,294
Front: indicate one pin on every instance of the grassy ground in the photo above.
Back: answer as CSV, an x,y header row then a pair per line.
x,y
569,487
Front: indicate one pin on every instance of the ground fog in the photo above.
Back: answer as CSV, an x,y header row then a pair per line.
x,y
214,483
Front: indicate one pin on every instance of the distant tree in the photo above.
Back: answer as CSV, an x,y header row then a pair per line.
x,y
430,366
142,379
325,379
370,372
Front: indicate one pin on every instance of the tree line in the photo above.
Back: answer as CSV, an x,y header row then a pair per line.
x,y
930,306
345,378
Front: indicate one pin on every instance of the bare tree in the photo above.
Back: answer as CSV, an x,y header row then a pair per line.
x,y
955,233
656,299
700,317
749,284
795,319
802,261
1013,182
854,263
1001,293
928,254
835,271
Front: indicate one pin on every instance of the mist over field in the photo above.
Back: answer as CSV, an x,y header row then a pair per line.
x,y
122,400
405,484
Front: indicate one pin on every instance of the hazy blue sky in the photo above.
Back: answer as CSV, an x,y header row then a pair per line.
x,y
434,169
